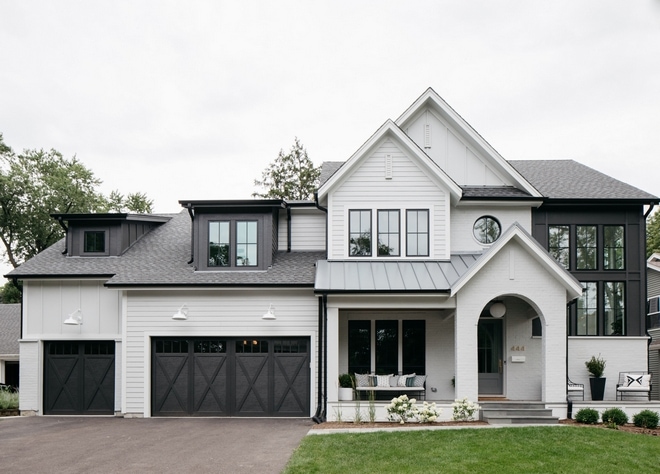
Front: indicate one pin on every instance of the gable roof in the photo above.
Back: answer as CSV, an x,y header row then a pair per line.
x,y
160,259
653,262
568,179
10,328
432,100
516,232
390,129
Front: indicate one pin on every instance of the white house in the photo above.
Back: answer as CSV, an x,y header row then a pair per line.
x,y
425,252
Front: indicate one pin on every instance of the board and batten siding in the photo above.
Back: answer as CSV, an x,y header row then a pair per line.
x,y
446,146
463,219
307,230
220,313
409,188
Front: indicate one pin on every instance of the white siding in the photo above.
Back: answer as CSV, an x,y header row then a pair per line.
x,y
463,219
30,375
653,282
452,152
210,313
307,230
409,188
48,303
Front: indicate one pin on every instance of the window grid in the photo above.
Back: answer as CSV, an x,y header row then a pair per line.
x,y
613,247
558,244
417,233
94,241
388,233
614,308
246,244
587,310
586,247
218,243
359,237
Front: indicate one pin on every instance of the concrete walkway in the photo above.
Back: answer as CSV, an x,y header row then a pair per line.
x,y
107,445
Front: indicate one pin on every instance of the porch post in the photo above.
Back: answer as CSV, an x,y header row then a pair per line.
x,y
553,385
333,353
465,355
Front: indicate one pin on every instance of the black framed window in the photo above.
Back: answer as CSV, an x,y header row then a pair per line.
x,y
246,244
387,346
587,247
587,310
359,233
388,233
359,346
218,243
613,247
94,241
414,346
614,314
251,346
559,244
417,233
486,229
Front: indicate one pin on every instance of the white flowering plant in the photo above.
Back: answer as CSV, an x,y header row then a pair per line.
x,y
464,410
428,413
401,409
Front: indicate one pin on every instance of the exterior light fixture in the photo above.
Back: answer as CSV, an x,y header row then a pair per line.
x,y
269,315
497,309
74,319
181,314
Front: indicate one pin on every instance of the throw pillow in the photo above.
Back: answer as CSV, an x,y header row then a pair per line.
x,y
362,380
633,380
394,380
383,380
646,380
403,380
419,381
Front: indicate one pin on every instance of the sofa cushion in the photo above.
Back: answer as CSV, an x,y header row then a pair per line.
x,y
383,380
403,380
419,381
363,380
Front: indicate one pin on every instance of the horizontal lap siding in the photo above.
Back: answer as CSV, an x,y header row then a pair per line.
x,y
367,188
210,314
307,230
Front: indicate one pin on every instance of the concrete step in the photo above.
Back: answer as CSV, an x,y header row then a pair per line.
x,y
518,420
507,413
519,411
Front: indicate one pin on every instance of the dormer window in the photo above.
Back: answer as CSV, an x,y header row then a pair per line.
x,y
94,241
233,243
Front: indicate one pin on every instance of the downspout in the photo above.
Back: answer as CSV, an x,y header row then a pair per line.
x,y
288,229
66,235
569,402
319,415
20,290
648,213
192,233
322,209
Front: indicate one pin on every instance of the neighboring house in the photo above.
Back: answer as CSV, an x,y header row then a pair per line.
x,y
653,320
425,252
10,333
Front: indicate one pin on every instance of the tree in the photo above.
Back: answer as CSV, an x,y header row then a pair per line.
x,y
37,183
653,234
10,293
291,176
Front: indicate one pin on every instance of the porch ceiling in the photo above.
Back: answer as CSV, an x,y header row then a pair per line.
x,y
389,276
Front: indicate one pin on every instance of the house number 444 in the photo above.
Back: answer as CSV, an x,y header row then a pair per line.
x,y
517,348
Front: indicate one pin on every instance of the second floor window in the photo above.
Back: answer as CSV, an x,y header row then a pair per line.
x,y
219,244
94,241
388,233
417,233
359,233
587,247
243,252
613,247
558,244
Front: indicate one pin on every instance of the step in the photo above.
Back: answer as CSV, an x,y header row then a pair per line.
x,y
519,411
519,420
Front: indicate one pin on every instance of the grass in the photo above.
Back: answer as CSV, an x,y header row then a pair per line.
x,y
8,400
531,449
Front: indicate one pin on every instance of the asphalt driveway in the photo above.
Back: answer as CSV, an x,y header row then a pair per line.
x,y
86,444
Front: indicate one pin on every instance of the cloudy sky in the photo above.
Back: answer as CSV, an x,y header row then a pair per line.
x,y
193,99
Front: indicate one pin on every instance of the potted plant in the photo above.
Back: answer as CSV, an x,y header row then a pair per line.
x,y
596,367
346,385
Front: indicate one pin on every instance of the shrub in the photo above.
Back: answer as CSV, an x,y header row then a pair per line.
x,y
401,409
464,410
8,398
429,413
587,416
646,419
596,366
346,381
614,416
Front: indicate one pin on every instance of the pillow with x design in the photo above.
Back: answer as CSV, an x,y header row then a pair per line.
x,y
637,380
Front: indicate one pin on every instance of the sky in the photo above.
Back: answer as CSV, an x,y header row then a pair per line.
x,y
193,99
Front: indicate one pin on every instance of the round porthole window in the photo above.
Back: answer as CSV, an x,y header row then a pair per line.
x,y
487,229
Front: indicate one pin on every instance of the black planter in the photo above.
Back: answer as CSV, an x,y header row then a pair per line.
x,y
597,387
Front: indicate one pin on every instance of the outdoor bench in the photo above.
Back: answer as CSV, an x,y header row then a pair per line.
x,y
390,386
633,383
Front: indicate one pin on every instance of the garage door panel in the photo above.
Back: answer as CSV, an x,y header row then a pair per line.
x,y
63,384
99,389
171,376
210,384
291,384
252,384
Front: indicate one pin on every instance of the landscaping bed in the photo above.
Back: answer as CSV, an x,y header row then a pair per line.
x,y
628,427
330,425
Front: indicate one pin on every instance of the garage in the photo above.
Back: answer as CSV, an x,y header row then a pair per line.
x,y
79,378
230,377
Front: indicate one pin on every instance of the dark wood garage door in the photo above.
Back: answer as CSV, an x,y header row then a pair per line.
x,y
79,378
230,377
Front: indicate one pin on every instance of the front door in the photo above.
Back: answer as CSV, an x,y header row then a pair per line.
x,y
490,353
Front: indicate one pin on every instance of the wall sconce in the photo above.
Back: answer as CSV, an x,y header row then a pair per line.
x,y
74,319
181,314
497,309
269,315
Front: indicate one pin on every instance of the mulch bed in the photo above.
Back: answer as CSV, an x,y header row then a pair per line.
x,y
629,428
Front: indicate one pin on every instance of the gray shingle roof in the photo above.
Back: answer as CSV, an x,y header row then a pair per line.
x,y
10,328
160,258
328,168
568,179
494,192
388,276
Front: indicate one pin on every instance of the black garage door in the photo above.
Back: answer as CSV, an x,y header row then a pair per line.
x,y
79,378
230,377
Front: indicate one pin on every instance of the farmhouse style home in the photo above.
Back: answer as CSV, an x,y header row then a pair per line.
x,y
425,253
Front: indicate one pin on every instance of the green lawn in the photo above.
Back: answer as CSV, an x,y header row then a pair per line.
x,y
518,450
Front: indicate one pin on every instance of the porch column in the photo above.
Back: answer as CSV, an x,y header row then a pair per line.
x,y
333,353
465,354
553,385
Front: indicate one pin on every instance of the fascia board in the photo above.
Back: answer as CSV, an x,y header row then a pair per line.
x,y
500,203
572,285
453,118
433,170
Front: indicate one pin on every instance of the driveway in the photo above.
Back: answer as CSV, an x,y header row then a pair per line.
x,y
87,444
